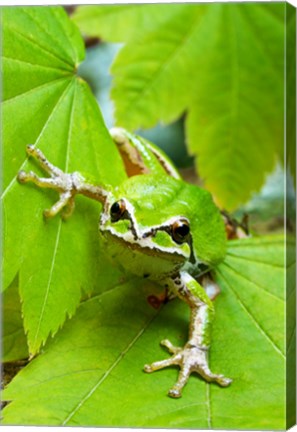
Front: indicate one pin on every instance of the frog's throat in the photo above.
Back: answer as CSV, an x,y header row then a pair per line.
x,y
144,245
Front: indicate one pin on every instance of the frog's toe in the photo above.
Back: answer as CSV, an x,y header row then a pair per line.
x,y
161,364
175,393
171,348
183,376
223,381
211,377
22,176
190,359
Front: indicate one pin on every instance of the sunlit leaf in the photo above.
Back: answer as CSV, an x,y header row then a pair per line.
x,y
57,112
91,374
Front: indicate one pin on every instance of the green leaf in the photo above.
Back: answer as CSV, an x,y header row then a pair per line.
x,y
55,259
221,63
117,23
149,71
96,360
254,308
14,342
236,139
291,90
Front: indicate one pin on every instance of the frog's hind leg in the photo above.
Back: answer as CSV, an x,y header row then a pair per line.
x,y
193,357
174,360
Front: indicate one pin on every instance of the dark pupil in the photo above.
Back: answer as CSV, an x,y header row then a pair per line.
x,y
115,209
182,230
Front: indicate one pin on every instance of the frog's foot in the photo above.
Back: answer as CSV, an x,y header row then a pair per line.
x,y
190,359
66,185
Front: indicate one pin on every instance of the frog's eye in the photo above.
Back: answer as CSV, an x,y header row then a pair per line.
x,y
117,210
180,231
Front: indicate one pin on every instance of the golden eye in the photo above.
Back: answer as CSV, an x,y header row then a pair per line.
x,y
180,231
117,210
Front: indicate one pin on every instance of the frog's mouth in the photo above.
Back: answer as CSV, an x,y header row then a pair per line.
x,y
145,245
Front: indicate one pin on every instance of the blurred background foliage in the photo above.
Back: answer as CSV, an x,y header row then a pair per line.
x,y
228,132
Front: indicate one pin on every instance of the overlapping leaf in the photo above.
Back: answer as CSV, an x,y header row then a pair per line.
x,y
119,23
91,374
221,63
47,105
14,342
291,90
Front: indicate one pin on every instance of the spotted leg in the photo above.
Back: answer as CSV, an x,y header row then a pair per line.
x,y
67,185
193,357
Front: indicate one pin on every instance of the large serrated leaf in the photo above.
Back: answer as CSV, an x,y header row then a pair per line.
x,y
222,63
236,139
57,112
91,374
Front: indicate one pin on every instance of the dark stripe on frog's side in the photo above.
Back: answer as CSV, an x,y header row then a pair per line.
x,y
167,168
132,159
140,156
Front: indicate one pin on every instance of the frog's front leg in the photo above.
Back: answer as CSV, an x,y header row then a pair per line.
x,y
193,357
67,185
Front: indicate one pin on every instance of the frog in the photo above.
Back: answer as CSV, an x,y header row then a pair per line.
x,y
159,227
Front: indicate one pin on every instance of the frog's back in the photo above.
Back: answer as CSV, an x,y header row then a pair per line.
x,y
158,198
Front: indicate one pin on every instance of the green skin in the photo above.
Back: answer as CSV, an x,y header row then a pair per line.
x,y
161,228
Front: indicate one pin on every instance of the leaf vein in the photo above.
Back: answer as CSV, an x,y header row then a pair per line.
x,y
208,406
62,71
32,90
57,239
56,243
138,97
110,369
44,49
254,241
259,44
253,319
235,256
240,275
65,57
41,132
49,283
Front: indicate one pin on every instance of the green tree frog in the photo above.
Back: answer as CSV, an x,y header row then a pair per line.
x,y
155,226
